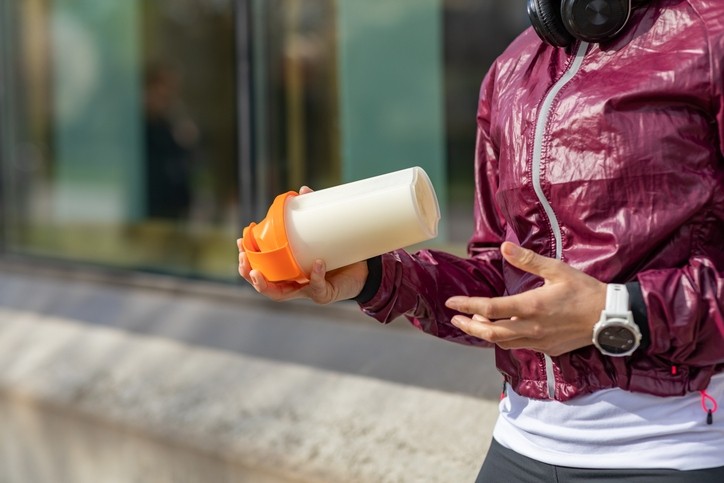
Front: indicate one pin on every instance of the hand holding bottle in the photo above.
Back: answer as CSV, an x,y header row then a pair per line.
x,y
323,287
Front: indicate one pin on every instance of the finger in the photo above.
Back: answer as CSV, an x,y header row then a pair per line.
x,y
277,291
486,330
500,332
462,304
280,292
480,318
530,344
531,262
258,280
519,305
244,274
244,266
318,288
239,244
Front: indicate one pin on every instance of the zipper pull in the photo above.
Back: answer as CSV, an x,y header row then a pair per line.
x,y
705,399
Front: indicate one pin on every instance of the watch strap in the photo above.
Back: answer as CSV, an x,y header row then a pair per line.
x,y
639,312
616,299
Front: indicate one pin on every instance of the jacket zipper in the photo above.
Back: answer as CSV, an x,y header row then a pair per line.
x,y
540,131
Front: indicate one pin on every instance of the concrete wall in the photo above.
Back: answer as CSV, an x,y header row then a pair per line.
x,y
271,420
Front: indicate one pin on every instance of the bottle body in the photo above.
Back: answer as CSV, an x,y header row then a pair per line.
x,y
362,219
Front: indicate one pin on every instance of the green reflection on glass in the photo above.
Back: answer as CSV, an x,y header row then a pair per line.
x,y
391,88
97,105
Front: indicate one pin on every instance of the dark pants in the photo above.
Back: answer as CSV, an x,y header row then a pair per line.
x,y
506,466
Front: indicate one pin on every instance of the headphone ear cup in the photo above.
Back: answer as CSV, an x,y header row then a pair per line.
x,y
595,20
546,20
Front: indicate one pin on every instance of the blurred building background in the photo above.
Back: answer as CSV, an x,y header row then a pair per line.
x,y
144,134
138,137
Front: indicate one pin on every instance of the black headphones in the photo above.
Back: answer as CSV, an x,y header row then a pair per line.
x,y
560,22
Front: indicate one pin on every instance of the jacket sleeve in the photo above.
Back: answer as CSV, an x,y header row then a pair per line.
x,y
685,306
685,309
417,285
716,49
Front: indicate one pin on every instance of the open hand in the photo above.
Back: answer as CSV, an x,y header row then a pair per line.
x,y
554,319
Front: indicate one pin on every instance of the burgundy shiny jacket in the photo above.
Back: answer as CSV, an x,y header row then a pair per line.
x,y
608,157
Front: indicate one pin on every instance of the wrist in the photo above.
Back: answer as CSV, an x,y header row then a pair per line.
x,y
373,280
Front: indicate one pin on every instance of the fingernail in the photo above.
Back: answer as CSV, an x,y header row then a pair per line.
x,y
254,279
512,250
318,266
452,303
459,321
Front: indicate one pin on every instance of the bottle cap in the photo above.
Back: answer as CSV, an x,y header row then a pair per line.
x,y
267,246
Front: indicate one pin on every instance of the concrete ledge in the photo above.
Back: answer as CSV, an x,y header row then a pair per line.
x,y
291,420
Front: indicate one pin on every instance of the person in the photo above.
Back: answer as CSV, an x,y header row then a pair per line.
x,y
170,142
596,267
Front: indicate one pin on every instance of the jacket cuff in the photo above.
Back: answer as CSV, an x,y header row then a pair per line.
x,y
640,314
373,282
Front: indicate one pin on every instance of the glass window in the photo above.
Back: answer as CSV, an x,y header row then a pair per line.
x,y
119,132
118,118
346,89
295,96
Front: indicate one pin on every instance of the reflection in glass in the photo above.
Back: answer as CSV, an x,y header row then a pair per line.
x,y
344,89
119,142
118,132
170,140
295,95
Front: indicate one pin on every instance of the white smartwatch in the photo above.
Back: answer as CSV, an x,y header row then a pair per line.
x,y
616,334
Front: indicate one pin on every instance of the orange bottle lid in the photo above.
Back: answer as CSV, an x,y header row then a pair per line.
x,y
267,246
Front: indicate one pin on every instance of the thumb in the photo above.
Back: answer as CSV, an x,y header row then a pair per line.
x,y
531,262
319,289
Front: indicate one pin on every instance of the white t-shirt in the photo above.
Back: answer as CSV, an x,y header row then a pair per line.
x,y
614,428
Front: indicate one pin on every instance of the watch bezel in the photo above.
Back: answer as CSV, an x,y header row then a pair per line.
x,y
622,321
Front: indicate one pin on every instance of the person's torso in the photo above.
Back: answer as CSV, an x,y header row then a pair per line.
x,y
609,160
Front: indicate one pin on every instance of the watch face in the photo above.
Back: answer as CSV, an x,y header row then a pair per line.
x,y
616,339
